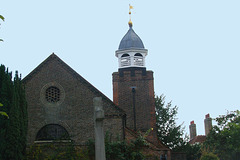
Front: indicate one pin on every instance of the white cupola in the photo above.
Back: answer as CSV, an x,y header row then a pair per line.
x,y
131,51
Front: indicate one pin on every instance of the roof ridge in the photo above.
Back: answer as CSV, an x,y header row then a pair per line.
x,y
35,70
74,73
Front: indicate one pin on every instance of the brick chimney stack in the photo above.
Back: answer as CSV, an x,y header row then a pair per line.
x,y
207,124
193,130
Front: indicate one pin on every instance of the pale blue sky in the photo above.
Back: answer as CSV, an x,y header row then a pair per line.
x,y
193,46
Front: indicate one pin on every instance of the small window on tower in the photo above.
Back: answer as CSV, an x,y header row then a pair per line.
x,y
138,54
125,60
52,94
125,55
138,59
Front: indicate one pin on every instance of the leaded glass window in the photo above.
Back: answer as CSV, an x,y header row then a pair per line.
x,y
52,132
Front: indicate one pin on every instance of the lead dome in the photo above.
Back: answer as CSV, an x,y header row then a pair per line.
x,y
131,52
131,41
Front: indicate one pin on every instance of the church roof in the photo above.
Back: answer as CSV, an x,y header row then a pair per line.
x,y
131,41
112,110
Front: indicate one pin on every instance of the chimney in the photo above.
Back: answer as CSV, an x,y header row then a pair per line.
x,y
193,131
207,124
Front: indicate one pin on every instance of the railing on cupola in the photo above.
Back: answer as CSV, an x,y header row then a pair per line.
x,y
132,61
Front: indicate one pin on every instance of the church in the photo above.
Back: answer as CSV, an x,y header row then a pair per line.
x,y
60,101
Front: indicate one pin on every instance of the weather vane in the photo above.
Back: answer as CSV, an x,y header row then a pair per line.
x,y
130,13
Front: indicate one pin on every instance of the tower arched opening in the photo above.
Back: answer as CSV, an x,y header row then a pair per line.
x,y
138,59
138,54
125,60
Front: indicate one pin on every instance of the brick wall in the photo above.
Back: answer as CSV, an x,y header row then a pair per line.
x,y
74,112
123,81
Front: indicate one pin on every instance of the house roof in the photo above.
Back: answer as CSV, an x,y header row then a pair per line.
x,y
78,77
197,139
131,134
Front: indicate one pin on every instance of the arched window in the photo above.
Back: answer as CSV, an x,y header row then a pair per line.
x,y
52,132
125,55
125,60
138,54
138,59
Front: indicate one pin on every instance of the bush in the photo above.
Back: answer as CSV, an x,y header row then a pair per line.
x,y
120,149
209,156
55,151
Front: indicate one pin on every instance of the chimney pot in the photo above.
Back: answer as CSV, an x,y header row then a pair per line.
x,y
193,130
207,124
207,116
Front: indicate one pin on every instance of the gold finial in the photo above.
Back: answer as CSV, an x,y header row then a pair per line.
x,y
130,13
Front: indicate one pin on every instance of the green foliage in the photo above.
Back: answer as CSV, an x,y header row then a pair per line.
x,y
224,139
3,113
169,133
115,150
13,130
33,152
209,156
120,149
91,148
193,152
56,151
2,18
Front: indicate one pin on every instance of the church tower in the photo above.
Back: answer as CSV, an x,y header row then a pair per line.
x,y
133,89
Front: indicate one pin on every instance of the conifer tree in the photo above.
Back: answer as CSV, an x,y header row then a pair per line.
x,y
6,91
23,112
13,130
2,112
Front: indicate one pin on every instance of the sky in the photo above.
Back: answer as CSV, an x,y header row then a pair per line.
x,y
193,46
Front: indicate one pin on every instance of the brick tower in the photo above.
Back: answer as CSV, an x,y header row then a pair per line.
x,y
133,89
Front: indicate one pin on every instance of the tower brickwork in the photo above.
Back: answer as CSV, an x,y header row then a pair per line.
x,y
133,88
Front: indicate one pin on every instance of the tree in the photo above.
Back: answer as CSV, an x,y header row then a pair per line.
x,y
169,133
209,156
13,130
224,139
193,152
124,149
2,18
6,86
3,113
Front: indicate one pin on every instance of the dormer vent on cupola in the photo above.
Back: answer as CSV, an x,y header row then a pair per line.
x,y
131,51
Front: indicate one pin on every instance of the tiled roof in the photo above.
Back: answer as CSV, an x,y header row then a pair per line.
x,y
198,139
